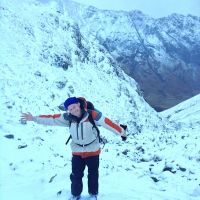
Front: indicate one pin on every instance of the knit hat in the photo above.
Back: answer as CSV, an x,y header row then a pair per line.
x,y
69,101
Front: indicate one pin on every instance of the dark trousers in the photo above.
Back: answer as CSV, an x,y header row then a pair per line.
x,y
78,166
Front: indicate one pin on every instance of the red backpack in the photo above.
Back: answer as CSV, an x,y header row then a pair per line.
x,y
87,105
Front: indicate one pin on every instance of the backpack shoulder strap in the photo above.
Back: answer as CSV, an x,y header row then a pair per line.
x,y
90,106
91,120
70,137
90,117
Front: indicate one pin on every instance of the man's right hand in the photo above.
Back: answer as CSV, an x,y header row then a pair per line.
x,y
26,117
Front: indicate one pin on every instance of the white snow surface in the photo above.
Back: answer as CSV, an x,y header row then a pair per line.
x,y
187,112
159,161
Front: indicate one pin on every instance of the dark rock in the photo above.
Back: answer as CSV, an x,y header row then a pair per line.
x,y
52,96
37,73
140,148
170,169
154,179
51,179
63,61
60,84
125,152
182,169
144,160
10,136
22,146
157,159
23,121
59,192
9,107
71,89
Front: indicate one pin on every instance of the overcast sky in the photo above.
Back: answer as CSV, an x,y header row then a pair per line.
x,y
154,8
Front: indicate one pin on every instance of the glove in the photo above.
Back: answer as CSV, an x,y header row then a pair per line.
x,y
124,137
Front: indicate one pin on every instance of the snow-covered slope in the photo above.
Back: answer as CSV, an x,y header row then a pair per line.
x,y
46,55
44,58
187,112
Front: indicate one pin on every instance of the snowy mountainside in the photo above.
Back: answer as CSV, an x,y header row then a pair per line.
x,y
44,58
50,56
160,54
187,112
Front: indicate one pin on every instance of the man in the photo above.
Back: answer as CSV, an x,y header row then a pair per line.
x,y
85,143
